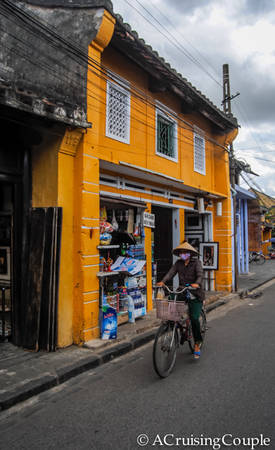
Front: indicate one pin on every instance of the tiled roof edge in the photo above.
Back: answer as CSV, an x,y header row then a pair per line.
x,y
230,118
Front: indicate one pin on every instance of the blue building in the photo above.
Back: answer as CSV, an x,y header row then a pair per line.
x,y
242,198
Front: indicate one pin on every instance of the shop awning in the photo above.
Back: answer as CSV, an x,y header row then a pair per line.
x,y
147,175
123,201
244,193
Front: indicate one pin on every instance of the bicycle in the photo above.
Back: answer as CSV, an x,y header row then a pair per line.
x,y
174,330
256,257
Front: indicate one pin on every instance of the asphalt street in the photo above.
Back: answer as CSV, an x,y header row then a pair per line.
x,y
229,391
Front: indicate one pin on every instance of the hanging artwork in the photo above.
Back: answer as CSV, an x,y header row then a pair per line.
x,y
209,255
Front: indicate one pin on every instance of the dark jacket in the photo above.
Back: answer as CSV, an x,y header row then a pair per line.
x,y
190,273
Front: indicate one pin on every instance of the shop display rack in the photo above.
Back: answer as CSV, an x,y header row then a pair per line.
x,y
107,247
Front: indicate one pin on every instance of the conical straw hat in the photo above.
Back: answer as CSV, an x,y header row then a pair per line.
x,y
184,247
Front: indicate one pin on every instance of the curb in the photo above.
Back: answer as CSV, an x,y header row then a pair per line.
x,y
256,287
63,374
215,305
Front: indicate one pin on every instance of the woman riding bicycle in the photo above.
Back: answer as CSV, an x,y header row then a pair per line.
x,y
189,270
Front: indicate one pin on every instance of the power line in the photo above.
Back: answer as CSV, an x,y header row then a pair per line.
x,y
140,95
89,93
188,42
178,45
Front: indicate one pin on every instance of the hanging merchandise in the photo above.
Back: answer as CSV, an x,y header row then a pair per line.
x,y
130,226
137,226
105,239
105,227
114,221
103,213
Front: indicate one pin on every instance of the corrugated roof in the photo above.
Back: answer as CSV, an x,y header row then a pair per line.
x,y
264,199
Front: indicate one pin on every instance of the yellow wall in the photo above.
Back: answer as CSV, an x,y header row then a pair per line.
x,y
53,179
81,193
45,171
142,135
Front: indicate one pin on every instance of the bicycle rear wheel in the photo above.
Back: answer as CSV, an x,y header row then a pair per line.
x,y
165,349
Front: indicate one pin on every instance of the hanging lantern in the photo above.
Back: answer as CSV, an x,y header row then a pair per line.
x,y
219,209
201,205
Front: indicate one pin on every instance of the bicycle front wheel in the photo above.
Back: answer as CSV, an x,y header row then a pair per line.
x,y
260,259
165,349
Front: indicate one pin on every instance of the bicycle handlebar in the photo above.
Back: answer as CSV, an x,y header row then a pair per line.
x,y
177,290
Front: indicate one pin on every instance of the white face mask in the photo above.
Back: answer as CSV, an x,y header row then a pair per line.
x,y
185,256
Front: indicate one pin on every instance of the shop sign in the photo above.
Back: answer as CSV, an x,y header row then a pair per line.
x,y
149,220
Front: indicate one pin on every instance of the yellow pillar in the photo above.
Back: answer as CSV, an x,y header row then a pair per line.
x,y
148,253
223,234
66,166
86,197
182,225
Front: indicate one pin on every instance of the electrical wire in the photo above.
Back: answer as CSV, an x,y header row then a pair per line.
x,y
188,42
49,68
178,45
190,127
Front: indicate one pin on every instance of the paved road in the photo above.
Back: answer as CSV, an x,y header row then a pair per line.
x,y
229,391
257,274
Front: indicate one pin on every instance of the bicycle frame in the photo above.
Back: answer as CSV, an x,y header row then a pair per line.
x,y
178,323
175,329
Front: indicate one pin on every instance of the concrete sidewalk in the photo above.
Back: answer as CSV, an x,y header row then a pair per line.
x,y
25,374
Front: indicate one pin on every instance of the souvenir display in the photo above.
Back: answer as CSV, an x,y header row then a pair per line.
x,y
122,267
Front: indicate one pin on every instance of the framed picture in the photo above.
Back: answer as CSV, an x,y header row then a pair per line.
x,y
194,240
193,222
5,263
209,255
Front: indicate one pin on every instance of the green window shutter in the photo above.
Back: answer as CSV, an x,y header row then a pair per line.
x,y
165,137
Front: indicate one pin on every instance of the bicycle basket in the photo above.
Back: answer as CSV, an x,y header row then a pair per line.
x,y
170,310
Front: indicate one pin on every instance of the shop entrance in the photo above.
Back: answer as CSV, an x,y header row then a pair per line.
x,y
163,240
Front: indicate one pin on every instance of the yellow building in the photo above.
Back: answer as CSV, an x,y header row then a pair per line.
x,y
136,144
156,145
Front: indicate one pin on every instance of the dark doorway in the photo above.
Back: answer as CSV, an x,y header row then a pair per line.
x,y
11,232
6,219
163,240
14,205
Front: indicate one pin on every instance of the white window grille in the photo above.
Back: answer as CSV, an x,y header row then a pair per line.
x,y
166,136
118,113
199,154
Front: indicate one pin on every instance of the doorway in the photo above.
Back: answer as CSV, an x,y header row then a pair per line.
x,y
12,267
163,240
6,221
